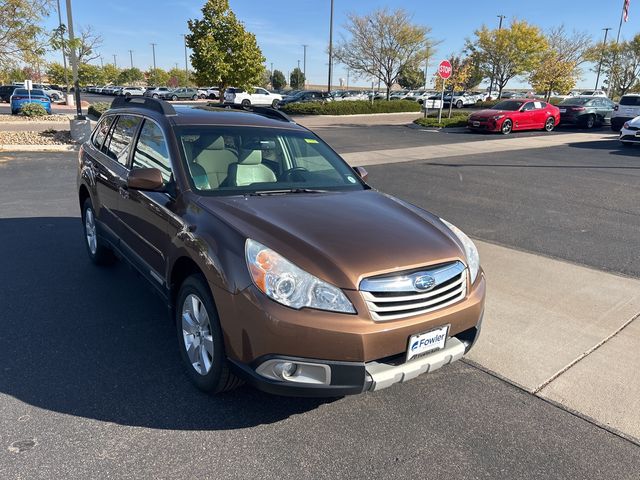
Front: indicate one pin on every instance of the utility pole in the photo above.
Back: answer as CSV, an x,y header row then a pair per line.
x,y
298,64
348,72
330,48
115,64
304,67
101,62
153,47
493,73
64,55
74,63
131,57
604,45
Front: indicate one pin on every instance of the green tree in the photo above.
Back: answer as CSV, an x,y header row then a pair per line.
x,y
224,53
411,77
296,79
90,74
129,76
21,31
382,43
620,64
508,52
157,77
110,73
278,82
56,73
177,77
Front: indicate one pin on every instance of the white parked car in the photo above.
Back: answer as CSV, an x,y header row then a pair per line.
x,y
593,93
626,110
630,132
460,99
432,101
260,96
425,96
131,91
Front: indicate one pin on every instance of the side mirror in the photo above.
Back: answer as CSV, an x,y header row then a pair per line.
x,y
362,173
145,179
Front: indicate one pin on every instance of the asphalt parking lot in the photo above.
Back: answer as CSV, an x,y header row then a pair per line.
x,y
91,384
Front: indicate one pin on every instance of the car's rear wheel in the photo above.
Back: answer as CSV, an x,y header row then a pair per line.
x,y
507,127
155,95
200,338
550,124
245,103
275,103
174,97
98,252
459,104
127,94
194,98
590,121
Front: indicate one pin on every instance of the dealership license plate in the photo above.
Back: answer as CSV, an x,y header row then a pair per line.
x,y
476,124
563,110
427,342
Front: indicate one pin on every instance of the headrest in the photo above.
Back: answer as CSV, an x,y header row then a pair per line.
x,y
211,142
250,157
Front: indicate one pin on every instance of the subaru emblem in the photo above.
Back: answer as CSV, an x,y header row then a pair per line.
x,y
424,283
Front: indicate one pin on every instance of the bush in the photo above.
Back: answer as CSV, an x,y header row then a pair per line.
x,y
487,103
97,109
347,107
457,120
33,110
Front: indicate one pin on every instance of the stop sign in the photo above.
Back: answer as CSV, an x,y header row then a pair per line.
x,y
444,69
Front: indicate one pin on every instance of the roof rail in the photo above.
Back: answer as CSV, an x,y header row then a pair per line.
x,y
264,111
155,104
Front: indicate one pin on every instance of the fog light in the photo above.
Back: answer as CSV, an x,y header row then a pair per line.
x,y
287,369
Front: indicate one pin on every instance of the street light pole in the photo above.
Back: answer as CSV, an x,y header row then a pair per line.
x,y
101,62
304,63
115,64
131,57
153,47
493,72
330,48
64,55
604,44
186,62
74,63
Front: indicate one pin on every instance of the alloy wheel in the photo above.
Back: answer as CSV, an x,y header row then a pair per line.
x,y
548,126
506,127
196,333
90,231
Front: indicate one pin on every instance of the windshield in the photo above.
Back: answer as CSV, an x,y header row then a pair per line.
x,y
507,105
248,160
588,92
24,91
575,101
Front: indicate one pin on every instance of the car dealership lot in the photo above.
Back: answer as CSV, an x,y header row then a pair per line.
x,y
91,373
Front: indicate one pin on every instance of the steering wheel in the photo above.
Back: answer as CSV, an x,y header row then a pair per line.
x,y
295,174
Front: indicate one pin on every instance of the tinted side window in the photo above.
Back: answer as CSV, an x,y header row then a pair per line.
x,y
101,131
119,142
151,150
635,101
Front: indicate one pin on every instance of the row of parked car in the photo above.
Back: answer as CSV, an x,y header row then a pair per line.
x,y
165,93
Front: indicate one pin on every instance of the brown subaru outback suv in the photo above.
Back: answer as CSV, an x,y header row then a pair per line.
x,y
279,264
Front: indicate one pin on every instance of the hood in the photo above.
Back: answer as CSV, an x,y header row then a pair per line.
x,y
488,113
340,237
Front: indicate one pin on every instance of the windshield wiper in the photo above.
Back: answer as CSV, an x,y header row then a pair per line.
x,y
284,191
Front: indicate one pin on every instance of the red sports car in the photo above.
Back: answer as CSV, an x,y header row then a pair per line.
x,y
521,114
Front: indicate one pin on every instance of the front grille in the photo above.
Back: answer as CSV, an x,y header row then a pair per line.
x,y
395,296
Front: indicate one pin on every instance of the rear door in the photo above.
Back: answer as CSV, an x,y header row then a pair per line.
x,y
539,114
145,214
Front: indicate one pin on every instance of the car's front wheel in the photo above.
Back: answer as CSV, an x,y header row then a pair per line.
x,y
200,338
590,121
459,104
245,103
174,97
99,253
550,124
275,103
507,126
194,98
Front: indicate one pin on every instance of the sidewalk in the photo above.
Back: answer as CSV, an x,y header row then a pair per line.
x,y
564,332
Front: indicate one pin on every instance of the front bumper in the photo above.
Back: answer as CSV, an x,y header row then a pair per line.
x,y
489,125
629,136
352,378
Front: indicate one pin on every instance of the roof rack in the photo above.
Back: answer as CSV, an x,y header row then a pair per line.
x,y
264,111
155,104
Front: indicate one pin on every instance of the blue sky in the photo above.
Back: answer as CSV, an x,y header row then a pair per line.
x,y
282,27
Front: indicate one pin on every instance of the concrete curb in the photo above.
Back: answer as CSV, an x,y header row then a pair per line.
x,y
356,115
38,148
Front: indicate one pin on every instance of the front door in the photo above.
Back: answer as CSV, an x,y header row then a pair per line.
x,y
145,214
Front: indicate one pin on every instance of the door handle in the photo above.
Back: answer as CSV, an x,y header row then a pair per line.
x,y
124,193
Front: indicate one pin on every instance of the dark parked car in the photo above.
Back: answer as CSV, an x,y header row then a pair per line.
x,y
586,111
6,91
306,96
278,263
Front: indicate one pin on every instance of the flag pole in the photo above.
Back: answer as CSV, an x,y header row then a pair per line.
x,y
624,4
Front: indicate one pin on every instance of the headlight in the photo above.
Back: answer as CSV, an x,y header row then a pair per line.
x,y
626,125
498,117
282,281
470,250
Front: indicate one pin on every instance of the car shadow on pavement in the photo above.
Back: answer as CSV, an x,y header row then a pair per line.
x,y
97,342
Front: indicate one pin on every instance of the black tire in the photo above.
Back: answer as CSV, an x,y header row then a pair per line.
x,y
174,97
212,97
14,112
246,103
275,104
550,124
155,95
507,127
459,104
589,122
194,98
203,96
127,95
219,378
102,255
